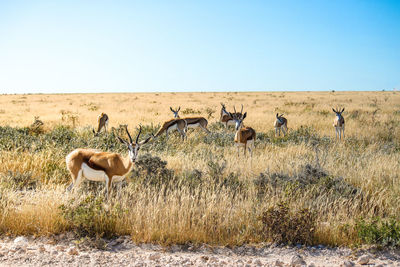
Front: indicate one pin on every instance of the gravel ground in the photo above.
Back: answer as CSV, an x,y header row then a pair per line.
x,y
65,250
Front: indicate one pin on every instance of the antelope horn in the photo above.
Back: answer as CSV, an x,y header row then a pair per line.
x,y
140,131
130,138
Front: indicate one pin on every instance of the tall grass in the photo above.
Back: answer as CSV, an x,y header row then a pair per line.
x,y
200,191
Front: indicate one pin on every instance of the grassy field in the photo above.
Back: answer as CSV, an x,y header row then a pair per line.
x,y
303,188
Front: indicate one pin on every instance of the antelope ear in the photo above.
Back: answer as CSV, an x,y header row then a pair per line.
x,y
342,110
277,115
334,110
179,109
244,115
171,109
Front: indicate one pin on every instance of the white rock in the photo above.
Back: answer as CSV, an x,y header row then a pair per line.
x,y
73,251
20,239
347,264
364,259
42,248
154,257
297,260
204,258
60,248
258,263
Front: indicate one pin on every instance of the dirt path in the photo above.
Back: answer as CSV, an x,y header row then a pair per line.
x,y
65,251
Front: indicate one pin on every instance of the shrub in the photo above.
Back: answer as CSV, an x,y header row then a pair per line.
x,y
219,139
190,111
18,181
282,225
378,231
152,171
308,175
89,217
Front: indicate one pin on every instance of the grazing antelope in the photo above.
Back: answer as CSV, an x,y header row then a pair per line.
x,y
245,136
174,124
280,123
226,117
338,123
192,122
100,166
102,122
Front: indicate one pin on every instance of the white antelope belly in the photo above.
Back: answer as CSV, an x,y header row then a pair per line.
x,y
92,174
173,127
195,125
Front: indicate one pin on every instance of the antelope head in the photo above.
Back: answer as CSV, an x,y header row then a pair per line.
x,y
238,118
223,110
278,117
133,147
176,115
338,112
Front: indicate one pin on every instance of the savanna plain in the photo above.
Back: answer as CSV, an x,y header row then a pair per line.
x,y
303,188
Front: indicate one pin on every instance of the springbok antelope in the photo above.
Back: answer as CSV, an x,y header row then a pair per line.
x,y
174,124
226,117
176,115
338,123
100,166
280,123
192,122
245,136
102,122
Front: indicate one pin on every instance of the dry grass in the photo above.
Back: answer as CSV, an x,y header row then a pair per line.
x,y
215,211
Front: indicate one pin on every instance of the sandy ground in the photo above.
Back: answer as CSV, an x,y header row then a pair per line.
x,y
65,250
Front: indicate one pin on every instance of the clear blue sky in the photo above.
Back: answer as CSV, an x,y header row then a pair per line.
x,y
130,46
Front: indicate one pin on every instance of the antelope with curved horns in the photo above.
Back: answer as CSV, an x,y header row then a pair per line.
x,y
280,123
245,136
100,166
338,123
226,117
102,122
192,122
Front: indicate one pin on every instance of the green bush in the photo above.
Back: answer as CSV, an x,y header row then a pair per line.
x,y
307,177
90,217
151,170
378,231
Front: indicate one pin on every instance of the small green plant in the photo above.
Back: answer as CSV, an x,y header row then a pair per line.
x,y
190,111
379,231
210,112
